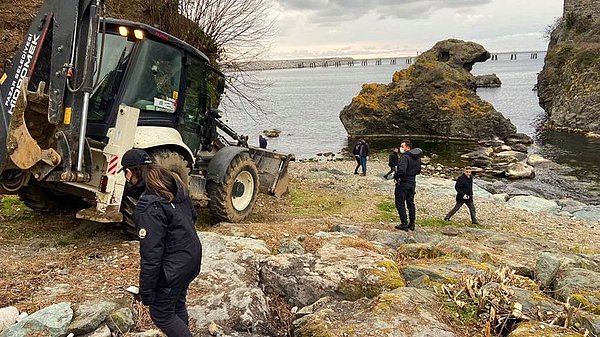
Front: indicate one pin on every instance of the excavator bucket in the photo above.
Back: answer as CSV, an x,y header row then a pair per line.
x,y
272,170
23,149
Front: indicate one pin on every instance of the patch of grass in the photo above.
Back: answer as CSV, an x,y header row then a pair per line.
x,y
386,211
12,208
467,315
315,203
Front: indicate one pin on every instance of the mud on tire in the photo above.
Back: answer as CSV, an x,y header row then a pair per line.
x,y
233,199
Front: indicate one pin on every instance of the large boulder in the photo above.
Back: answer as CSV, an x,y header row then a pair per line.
x,y
580,287
232,296
345,268
434,97
488,81
399,313
52,321
90,315
568,84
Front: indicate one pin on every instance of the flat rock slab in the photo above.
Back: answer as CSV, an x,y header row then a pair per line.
x,y
534,204
403,312
444,269
345,268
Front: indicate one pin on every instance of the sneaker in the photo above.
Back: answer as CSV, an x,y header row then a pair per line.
x,y
446,219
401,227
355,172
475,222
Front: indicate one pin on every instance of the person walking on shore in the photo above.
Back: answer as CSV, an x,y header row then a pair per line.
x,y
392,162
262,142
170,251
363,154
464,195
409,166
355,152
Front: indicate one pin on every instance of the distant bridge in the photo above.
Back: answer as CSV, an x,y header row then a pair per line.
x,y
352,62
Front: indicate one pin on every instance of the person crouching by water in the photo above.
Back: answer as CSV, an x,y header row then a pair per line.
x,y
392,162
409,166
170,250
464,195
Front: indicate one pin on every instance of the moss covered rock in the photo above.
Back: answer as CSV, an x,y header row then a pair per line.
x,y
434,97
537,329
345,268
402,312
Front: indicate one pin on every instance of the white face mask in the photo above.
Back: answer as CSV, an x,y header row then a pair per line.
x,y
402,150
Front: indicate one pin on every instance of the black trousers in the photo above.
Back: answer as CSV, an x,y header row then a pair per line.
x,y
405,198
169,313
358,163
458,205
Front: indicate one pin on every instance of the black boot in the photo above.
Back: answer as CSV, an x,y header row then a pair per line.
x,y
411,226
402,227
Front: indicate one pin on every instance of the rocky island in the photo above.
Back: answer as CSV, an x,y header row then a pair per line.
x,y
434,97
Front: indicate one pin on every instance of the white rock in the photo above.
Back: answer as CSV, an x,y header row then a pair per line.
x,y
536,159
8,317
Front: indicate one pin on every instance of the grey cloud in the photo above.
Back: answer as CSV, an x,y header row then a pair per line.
x,y
330,11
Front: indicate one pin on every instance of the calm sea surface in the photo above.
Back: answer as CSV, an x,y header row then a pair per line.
x,y
305,105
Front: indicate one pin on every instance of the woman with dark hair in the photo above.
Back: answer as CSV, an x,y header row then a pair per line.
x,y
170,250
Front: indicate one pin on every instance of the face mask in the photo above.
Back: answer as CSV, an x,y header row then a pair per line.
x,y
402,151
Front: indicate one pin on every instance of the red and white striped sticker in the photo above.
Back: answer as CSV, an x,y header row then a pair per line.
x,y
112,165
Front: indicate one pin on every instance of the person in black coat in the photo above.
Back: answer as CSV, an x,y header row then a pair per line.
x,y
409,166
262,142
464,195
392,162
170,251
355,153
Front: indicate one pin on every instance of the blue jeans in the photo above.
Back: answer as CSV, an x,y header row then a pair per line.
x,y
363,163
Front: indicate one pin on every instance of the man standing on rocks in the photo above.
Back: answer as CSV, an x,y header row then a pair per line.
x,y
405,177
464,195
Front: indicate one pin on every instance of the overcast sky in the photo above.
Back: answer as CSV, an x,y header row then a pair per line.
x,y
380,28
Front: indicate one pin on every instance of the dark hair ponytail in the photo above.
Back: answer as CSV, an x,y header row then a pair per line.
x,y
161,181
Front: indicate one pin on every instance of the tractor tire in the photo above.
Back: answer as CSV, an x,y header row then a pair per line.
x,y
234,199
171,160
44,199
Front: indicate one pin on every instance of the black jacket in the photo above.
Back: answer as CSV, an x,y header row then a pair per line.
x,y
464,186
363,150
170,250
409,166
393,160
356,149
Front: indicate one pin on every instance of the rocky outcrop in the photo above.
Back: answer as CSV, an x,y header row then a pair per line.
x,y
52,321
568,85
435,97
488,81
402,312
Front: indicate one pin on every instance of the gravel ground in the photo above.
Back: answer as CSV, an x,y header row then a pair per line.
x,y
570,234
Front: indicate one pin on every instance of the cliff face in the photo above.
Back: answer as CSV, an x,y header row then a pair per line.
x,y
434,97
569,84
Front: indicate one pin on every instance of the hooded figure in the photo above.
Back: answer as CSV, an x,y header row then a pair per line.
x,y
170,251
409,166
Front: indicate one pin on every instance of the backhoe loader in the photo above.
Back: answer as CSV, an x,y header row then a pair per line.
x,y
83,89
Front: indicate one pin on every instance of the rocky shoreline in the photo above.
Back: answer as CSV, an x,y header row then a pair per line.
x,y
319,264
